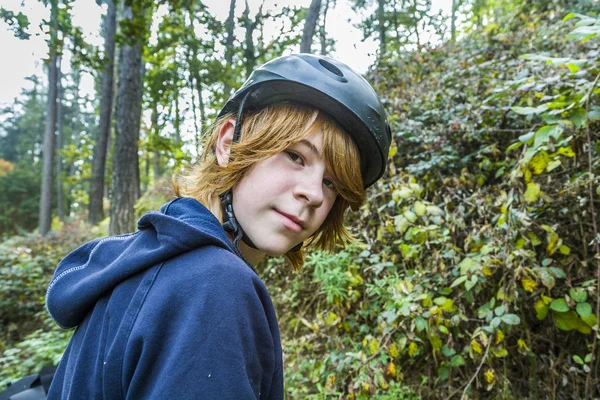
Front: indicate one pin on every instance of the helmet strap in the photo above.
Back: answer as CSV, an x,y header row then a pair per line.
x,y
230,223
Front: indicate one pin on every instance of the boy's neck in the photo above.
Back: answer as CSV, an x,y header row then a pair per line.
x,y
253,256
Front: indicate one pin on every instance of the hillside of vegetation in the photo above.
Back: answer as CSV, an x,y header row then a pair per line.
x,y
477,271
477,265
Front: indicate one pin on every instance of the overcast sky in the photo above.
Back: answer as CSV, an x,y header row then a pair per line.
x,y
22,58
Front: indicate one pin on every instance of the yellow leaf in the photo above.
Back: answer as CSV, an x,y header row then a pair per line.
x,y
528,284
527,174
448,305
420,208
486,271
499,336
390,370
541,309
522,345
566,151
436,342
412,349
394,351
519,243
393,151
535,241
476,347
489,376
532,193
373,346
539,162
564,250
553,243
547,300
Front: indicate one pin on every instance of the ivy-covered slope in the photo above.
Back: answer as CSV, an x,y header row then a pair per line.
x,y
478,272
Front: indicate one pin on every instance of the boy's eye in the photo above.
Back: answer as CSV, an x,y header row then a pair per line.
x,y
295,157
329,183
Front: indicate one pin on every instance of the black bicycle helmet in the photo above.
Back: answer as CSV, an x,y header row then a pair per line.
x,y
330,86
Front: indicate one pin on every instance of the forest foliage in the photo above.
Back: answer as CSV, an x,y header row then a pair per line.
x,y
476,267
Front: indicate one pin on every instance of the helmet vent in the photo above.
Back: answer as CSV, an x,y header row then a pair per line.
x,y
331,68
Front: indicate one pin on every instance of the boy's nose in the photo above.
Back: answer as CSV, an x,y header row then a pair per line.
x,y
310,190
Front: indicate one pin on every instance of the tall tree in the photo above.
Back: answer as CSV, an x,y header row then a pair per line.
x,y
229,26
60,192
96,212
310,23
322,30
125,179
381,27
49,134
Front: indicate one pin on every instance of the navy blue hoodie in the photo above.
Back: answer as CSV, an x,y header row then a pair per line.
x,y
167,312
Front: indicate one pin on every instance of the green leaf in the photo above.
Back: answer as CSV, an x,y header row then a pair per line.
x,y
547,278
495,322
511,319
543,135
584,309
420,208
471,282
501,353
514,146
578,116
447,351
530,110
421,324
590,320
568,17
458,281
532,193
577,359
558,272
443,329
566,321
579,294
526,137
499,311
457,361
573,67
443,373
541,309
468,264
559,305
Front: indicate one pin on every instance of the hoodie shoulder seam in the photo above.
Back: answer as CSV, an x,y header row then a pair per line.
x,y
80,267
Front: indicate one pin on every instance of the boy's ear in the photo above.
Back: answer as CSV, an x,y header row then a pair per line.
x,y
223,148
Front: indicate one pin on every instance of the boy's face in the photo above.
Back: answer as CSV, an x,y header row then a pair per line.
x,y
284,199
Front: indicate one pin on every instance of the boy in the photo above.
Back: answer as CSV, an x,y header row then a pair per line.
x,y
176,309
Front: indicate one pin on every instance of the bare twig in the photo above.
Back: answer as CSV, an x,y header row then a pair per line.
x,y
597,245
478,369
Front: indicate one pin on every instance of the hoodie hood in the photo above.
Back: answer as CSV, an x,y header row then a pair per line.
x,y
92,270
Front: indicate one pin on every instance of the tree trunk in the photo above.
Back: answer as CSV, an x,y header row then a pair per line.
x,y
322,31
453,21
125,179
96,213
310,22
155,133
250,50
60,192
229,25
381,26
49,134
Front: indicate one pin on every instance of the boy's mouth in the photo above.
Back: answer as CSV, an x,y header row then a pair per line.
x,y
292,222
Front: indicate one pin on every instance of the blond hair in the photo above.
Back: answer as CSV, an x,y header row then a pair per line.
x,y
265,133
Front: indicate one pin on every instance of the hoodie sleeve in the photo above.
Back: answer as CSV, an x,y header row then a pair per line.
x,y
206,330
